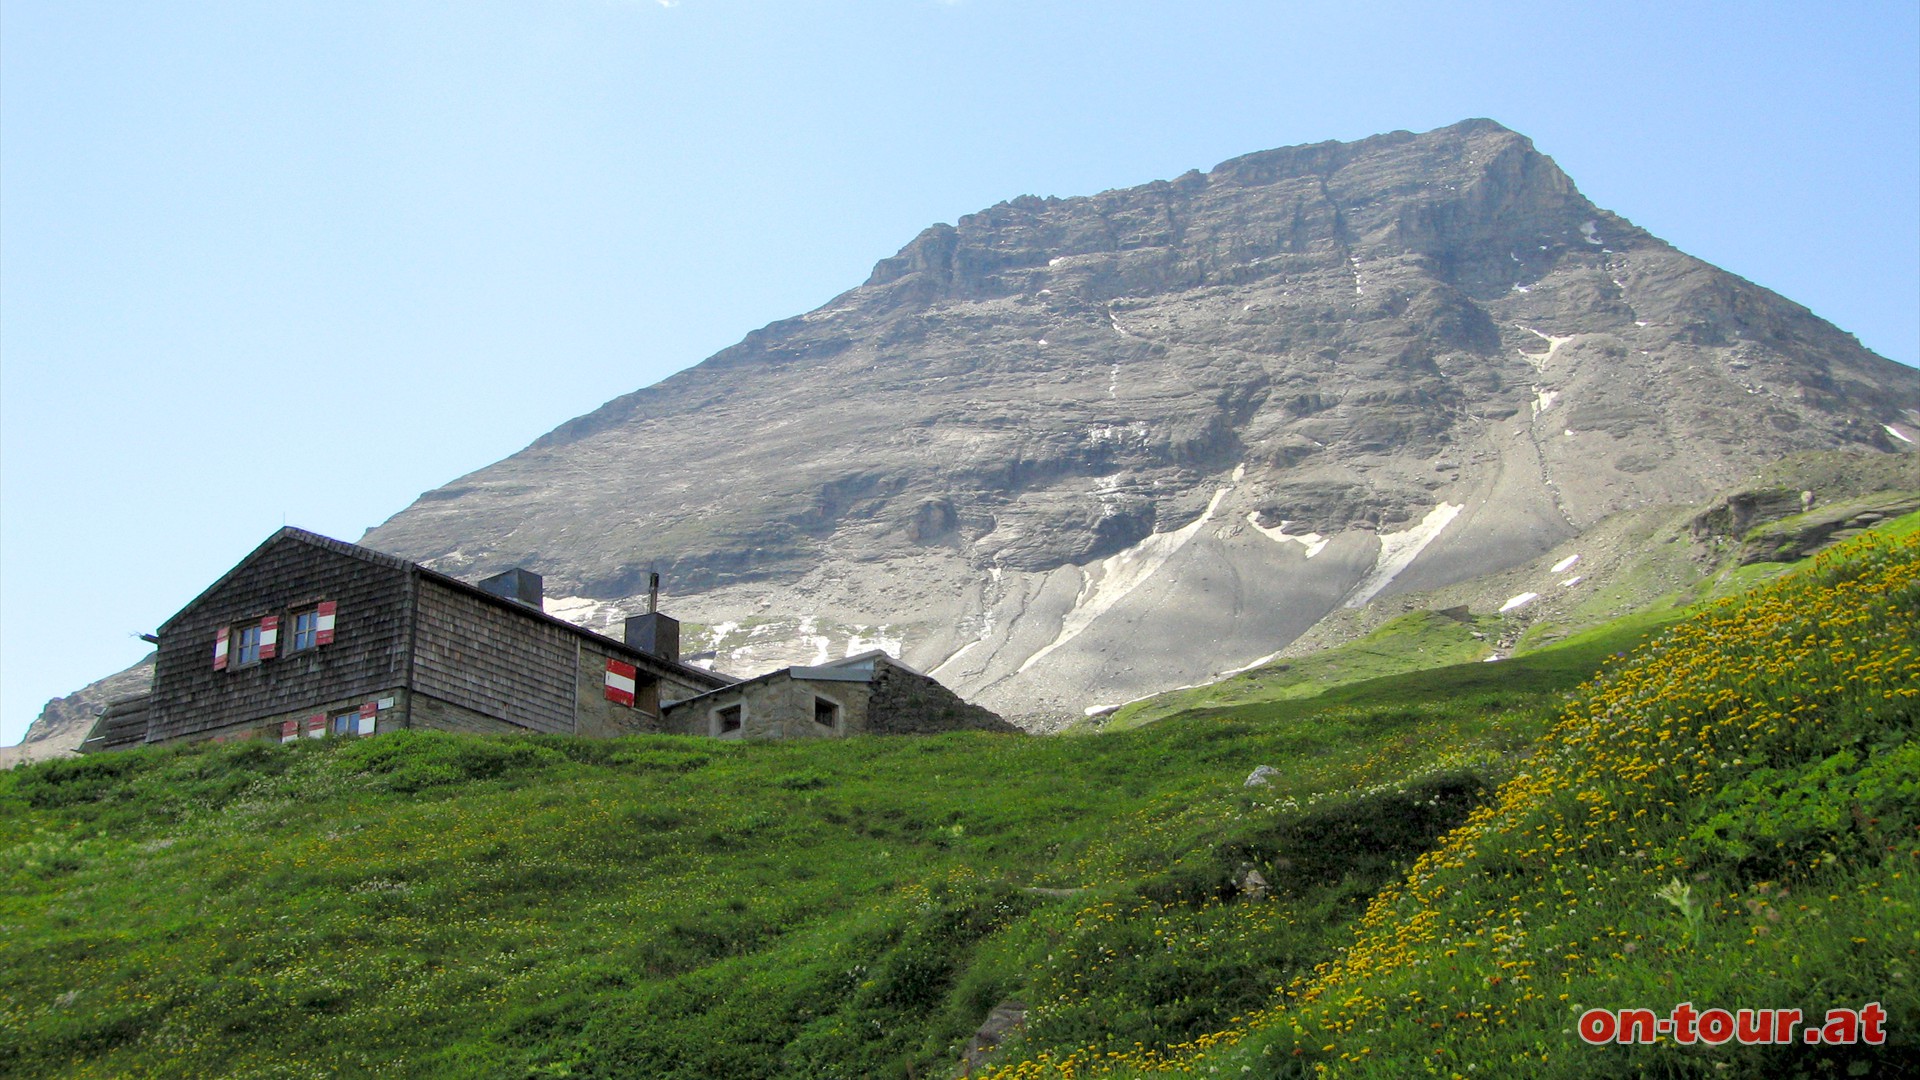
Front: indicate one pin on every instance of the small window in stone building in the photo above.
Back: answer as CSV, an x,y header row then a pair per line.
x,y
826,713
728,718
246,644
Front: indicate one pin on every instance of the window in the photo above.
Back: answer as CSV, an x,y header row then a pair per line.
x,y
246,644
313,627
826,713
727,720
363,720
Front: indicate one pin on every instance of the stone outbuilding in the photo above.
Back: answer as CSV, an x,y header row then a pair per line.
x,y
868,694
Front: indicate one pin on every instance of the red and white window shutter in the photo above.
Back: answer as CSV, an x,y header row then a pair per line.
x,y
220,649
289,731
317,726
269,636
323,623
620,682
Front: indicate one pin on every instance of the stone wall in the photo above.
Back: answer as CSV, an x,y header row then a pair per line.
x,y
905,703
780,707
597,717
895,701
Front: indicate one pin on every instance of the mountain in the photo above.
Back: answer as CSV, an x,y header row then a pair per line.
x,y
1072,451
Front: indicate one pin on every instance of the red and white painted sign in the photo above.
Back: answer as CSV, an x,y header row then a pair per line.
x,y
621,682
323,623
220,649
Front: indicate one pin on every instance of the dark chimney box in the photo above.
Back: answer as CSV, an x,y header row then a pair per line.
x,y
656,634
517,584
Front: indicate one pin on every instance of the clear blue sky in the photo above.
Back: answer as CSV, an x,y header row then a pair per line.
x,y
285,261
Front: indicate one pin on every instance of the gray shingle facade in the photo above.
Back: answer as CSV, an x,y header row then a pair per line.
x,y
309,636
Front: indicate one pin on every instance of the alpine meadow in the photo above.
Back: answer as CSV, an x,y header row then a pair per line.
x,y
1455,863
1361,610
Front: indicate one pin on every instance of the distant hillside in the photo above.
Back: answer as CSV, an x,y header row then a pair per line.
x,y
1651,562
1644,568
1435,856
1067,452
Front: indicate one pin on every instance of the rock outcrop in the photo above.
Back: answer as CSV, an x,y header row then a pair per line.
x,y
65,721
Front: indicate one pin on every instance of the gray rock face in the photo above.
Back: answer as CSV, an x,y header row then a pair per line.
x,y
1072,451
65,721
1007,1018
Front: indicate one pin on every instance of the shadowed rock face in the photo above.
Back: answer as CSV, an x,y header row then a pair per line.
x,y
1071,451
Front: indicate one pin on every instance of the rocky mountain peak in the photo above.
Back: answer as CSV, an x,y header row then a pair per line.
x,y
1440,195
1068,450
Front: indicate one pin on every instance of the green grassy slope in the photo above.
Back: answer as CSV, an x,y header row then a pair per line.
x,y
1410,642
1731,819
456,906
423,904
1419,654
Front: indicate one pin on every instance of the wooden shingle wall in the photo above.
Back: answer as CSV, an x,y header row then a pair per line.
x,y
389,714
122,725
437,715
368,653
480,655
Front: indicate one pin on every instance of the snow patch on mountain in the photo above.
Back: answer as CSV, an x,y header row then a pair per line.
x,y
1539,360
1398,550
887,643
1313,542
1118,575
584,611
